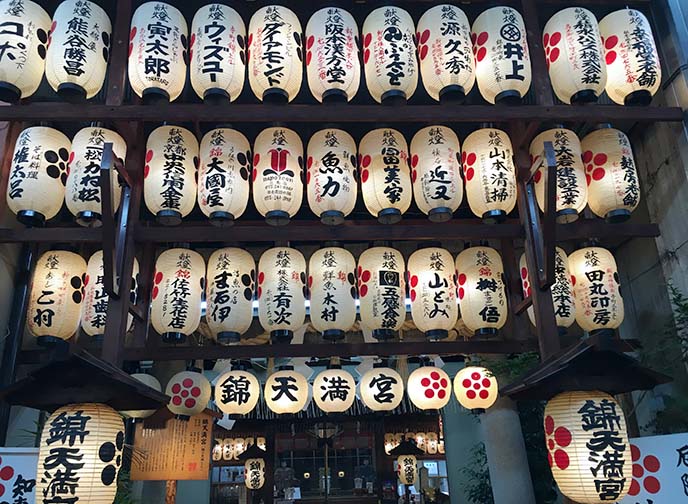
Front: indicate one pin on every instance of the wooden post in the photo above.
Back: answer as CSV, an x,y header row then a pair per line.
x,y
171,492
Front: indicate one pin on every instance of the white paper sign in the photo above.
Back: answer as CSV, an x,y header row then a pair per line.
x,y
18,475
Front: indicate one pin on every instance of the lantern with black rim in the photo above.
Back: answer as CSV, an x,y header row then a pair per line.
x,y
254,467
406,453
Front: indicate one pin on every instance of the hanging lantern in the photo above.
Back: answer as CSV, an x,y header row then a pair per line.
x,y
331,175
633,70
613,188
599,306
157,52
231,284
582,431
482,293
190,392
572,193
178,285
57,290
286,391
38,174
275,67
24,38
281,292
169,186
502,58
385,176
389,55
432,287
153,383
82,193
80,455
223,185
429,387
334,390
382,389
573,50
217,51
237,392
254,473
278,175
436,172
381,291
488,167
447,65
406,468
475,388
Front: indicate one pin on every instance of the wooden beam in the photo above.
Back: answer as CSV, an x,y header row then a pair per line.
x,y
51,235
540,78
119,54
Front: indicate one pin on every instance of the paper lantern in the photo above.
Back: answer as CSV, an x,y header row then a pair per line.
x,y
254,473
333,66
231,281
334,390
275,68
587,447
475,388
223,185
80,455
157,52
169,186
385,176
613,187
482,293
381,389
82,192
490,174
436,172
57,291
190,392
572,193
153,383
447,66
389,55
24,40
331,175
633,70
502,57
38,174
381,291
429,387
178,285
406,468
573,50
217,51
277,174
237,392
599,306
281,292
432,287
332,283
286,391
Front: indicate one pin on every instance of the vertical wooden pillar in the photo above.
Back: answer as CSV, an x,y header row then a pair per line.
x,y
170,492
268,487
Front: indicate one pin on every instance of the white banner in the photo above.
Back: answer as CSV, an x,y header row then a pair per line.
x,y
18,475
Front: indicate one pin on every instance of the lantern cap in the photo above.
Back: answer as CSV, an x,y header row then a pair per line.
x,y
30,218
281,336
584,96
406,447
89,219
228,337
155,96
617,216
221,219
494,216
252,452
9,93
640,97
332,217
334,96
509,97
174,338
216,96
452,95
71,93
440,214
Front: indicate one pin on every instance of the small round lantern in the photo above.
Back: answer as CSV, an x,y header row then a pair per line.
x,y
429,388
381,388
475,388
153,383
286,391
334,390
190,392
237,392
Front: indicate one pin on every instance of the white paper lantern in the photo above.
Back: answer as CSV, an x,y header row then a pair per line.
x,y
334,390
429,387
237,392
190,392
381,389
406,468
476,388
254,473
153,383
286,391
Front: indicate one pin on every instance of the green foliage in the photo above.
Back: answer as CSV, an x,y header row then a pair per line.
x,y
478,488
124,489
531,415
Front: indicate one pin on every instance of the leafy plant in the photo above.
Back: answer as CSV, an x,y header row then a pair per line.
x,y
478,488
124,493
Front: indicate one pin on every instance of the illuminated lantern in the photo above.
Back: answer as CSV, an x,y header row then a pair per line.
x,y
385,175
599,306
482,293
217,51
332,283
231,280
613,188
80,455
277,174
237,392
254,473
633,70
82,192
158,52
190,392
502,57
381,388
406,468
447,65
334,390
286,391
573,50
475,388
25,40
178,285
333,66
381,291
331,175
579,427
57,291
572,193
275,68
432,287
429,387
223,185
281,292
38,174
389,55
169,186
153,383
436,172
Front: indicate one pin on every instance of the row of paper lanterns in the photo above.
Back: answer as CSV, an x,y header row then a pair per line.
x,y
584,58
